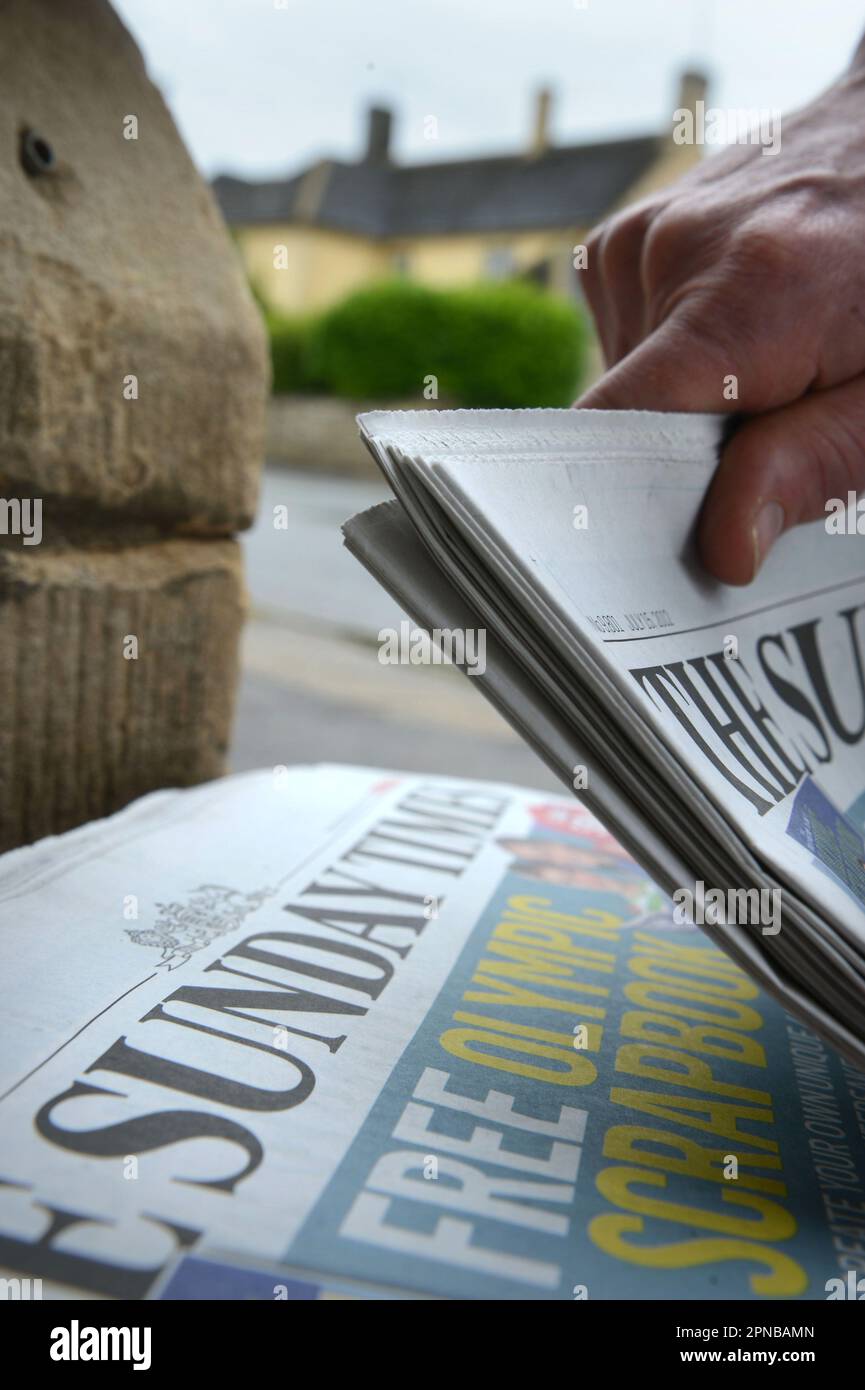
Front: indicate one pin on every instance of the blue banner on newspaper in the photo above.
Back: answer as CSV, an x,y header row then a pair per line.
x,y
598,1108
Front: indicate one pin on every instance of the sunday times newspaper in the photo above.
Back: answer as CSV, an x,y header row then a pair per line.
x,y
429,1036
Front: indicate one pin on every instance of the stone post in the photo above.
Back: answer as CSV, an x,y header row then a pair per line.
x,y
133,379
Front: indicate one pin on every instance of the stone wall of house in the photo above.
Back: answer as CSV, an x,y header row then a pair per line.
x,y
133,379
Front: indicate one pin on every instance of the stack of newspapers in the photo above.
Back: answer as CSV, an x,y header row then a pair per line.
x,y
716,732
326,1031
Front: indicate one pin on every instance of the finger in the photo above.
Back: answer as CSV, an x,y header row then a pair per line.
x,y
673,369
778,470
596,293
620,255
715,349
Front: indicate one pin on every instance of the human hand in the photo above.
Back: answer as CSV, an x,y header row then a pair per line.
x,y
752,266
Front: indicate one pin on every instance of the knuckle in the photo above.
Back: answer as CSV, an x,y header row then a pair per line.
x,y
768,249
674,233
617,242
836,452
623,238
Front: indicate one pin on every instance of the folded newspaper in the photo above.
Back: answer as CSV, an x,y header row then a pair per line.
x,y
331,1031
717,732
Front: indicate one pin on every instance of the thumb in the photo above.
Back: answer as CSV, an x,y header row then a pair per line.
x,y
778,470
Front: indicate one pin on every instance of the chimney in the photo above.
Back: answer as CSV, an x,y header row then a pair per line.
x,y
540,137
692,88
379,121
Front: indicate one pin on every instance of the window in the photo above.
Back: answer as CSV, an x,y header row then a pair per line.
x,y
499,263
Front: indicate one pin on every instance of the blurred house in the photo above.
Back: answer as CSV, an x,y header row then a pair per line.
x,y
309,240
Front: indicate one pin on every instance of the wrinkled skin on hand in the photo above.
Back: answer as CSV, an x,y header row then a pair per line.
x,y
752,265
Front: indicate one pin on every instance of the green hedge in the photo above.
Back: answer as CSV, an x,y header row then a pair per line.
x,y
293,353
497,345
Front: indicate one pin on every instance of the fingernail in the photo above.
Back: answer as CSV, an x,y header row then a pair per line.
x,y
767,529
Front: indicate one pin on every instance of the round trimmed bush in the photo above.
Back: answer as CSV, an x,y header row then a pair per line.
x,y
514,345
497,345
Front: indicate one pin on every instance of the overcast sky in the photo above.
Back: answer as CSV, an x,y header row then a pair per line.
x,y
261,87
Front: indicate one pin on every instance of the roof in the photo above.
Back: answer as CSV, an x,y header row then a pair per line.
x,y
563,187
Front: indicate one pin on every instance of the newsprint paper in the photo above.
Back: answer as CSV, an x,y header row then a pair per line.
x,y
717,732
406,1034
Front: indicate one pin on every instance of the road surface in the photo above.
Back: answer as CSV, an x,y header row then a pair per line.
x,y
313,689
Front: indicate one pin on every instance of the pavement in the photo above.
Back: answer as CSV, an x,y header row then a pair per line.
x,y
313,689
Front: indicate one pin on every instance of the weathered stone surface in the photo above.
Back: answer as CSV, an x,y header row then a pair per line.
x,y
115,262
85,729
